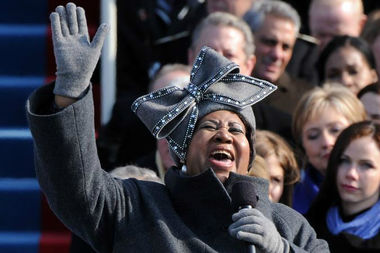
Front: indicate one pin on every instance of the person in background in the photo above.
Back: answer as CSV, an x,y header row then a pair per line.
x,y
332,21
320,116
234,7
326,19
349,61
259,169
371,34
330,18
370,97
275,26
281,165
305,52
210,129
229,36
232,37
346,210
132,171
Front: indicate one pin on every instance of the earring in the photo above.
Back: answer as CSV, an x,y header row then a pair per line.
x,y
184,169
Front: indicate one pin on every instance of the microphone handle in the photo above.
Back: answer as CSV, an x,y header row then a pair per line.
x,y
251,247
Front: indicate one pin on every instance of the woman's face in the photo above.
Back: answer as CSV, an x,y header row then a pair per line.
x,y
319,135
276,178
349,67
371,102
358,175
220,143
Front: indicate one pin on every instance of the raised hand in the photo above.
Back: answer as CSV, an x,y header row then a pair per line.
x,y
252,226
76,57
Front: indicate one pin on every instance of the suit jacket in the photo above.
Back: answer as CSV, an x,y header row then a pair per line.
x,y
274,120
302,65
289,91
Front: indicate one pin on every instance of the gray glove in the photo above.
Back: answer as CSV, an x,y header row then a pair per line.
x,y
252,226
75,56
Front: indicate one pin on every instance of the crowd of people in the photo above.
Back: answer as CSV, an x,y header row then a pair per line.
x,y
214,96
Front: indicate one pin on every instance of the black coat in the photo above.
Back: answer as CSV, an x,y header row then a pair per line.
x,y
274,120
344,242
288,93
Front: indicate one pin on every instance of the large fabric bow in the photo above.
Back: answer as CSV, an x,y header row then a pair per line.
x,y
172,112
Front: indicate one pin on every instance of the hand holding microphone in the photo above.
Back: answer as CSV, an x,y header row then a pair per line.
x,y
250,225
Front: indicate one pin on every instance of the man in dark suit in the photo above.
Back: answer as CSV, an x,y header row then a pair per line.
x,y
275,25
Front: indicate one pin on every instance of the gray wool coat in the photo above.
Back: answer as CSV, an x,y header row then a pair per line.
x,y
187,214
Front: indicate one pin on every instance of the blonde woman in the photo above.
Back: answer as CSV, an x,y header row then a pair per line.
x,y
320,116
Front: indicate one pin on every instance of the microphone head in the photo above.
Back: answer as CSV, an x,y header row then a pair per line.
x,y
243,194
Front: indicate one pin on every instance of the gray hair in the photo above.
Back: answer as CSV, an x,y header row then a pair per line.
x,y
256,15
229,20
133,171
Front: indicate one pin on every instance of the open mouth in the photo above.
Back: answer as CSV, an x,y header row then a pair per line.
x,y
221,155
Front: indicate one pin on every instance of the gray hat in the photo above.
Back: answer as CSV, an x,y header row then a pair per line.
x,y
215,84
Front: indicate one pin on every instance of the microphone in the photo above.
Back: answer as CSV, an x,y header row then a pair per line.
x,y
243,195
